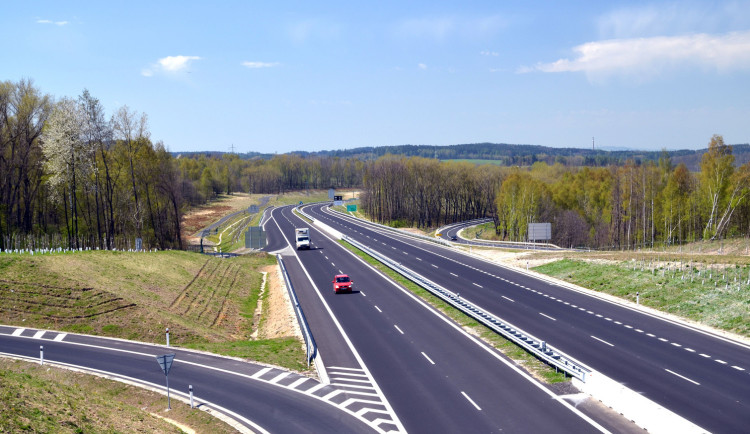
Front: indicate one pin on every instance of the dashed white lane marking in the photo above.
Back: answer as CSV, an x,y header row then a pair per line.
x,y
39,334
721,361
454,274
378,309
690,349
399,330
363,294
602,341
509,299
419,259
628,326
333,264
324,255
651,335
618,323
471,400
476,284
663,340
547,316
17,332
705,355
738,368
60,337
639,330
683,377
260,373
676,344
428,359
434,265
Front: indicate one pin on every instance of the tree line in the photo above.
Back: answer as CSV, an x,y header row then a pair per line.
x,y
633,205
70,176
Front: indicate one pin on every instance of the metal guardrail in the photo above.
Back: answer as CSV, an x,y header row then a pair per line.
x,y
422,237
312,349
525,340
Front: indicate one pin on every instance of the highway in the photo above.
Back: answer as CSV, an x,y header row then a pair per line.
x,y
701,376
431,374
260,398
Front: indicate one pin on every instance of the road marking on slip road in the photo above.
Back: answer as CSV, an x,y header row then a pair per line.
x,y
509,299
399,330
454,274
476,284
428,359
378,309
684,378
602,341
547,316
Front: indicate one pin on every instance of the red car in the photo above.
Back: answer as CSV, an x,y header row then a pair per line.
x,y
341,283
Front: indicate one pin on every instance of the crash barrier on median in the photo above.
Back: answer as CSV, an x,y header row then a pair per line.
x,y
535,346
422,237
312,349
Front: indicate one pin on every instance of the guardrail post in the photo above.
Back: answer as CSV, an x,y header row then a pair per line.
x,y
167,336
190,388
41,354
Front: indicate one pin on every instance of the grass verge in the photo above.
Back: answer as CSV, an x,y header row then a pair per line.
x,y
38,398
709,296
527,361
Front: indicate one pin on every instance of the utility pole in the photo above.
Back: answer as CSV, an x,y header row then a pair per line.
x,y
232,148
592,144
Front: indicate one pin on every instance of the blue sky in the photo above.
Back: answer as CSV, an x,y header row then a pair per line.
x,y
283,76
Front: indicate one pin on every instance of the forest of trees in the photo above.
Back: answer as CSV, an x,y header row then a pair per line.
x,y
626,206
72,177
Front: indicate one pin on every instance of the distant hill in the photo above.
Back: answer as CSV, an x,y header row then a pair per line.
x,y
508,154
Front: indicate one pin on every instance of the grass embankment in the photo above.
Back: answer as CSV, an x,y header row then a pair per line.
x,y
206,302
536,367
717,295
36,398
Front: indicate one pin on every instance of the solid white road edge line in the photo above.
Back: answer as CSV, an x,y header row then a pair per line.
x,y
396,420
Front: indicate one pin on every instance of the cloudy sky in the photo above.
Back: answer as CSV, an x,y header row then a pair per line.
x,y
282,76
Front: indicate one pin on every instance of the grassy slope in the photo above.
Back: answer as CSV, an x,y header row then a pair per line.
x,y
206,302
36,398
706,299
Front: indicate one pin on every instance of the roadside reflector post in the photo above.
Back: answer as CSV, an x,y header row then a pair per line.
x,y
167,336
637,297
190,387
165,362
41,354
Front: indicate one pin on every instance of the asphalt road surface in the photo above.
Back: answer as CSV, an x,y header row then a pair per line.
x,y
699,375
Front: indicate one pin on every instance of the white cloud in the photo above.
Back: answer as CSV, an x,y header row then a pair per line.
x,y
489,53
169,65
422,66
57,23
674,18
647,57
253,65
